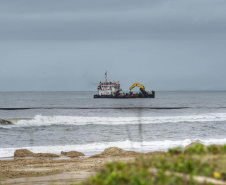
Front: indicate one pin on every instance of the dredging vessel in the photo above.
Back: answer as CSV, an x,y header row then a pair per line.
x,y
111,89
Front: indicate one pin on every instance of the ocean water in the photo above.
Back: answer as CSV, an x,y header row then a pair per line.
x,y
65,121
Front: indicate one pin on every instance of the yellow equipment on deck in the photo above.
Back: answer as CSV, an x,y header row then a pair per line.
x,y
138,85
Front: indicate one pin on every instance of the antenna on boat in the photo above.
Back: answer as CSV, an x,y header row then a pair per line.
x,y
106,76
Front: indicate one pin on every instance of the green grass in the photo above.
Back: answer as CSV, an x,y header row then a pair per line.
x,y
195,160
118,173
197,148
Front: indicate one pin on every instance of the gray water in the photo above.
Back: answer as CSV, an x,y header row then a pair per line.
x,y
75,121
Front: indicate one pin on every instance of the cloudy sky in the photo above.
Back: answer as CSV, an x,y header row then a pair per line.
x,y
56,45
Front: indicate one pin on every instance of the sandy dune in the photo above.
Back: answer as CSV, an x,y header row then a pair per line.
x,y
46,171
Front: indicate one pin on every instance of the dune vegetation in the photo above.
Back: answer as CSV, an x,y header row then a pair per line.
x,y
194,164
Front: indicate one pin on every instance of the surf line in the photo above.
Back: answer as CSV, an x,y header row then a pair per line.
x,y
142,108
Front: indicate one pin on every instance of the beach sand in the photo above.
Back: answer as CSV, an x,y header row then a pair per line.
x,y
46,171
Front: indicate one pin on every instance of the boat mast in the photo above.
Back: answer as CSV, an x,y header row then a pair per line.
x,y
106,76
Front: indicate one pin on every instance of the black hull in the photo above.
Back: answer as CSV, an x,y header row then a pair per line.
x,y
127,96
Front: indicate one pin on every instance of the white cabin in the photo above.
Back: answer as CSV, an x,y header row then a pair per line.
x,y
108,88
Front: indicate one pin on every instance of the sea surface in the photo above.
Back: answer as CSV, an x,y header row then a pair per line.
x,y
66,121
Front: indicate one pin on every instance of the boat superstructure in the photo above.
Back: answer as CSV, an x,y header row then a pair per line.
x,y
108,89
111,89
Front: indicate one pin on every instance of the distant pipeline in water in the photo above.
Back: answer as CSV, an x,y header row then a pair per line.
x,y
110,108
143,108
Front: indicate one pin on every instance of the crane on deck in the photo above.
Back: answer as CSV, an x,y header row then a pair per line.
x,y
138,85
142,88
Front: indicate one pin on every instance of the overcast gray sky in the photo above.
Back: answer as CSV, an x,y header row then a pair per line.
x,y
68,45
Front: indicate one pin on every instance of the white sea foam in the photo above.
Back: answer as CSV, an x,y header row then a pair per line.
x,y
40,120
94,148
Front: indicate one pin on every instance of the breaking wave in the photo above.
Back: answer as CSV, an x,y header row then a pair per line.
x,y
95,148
5,122
40,120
